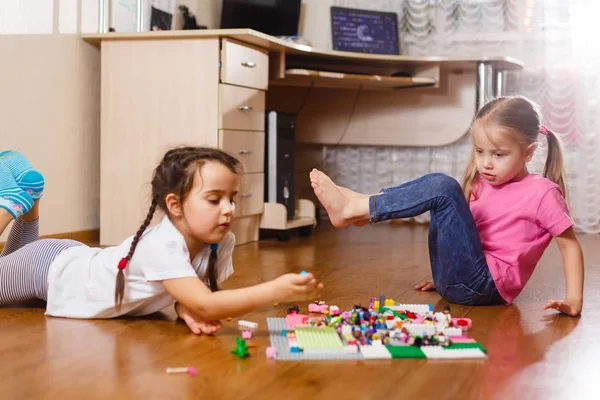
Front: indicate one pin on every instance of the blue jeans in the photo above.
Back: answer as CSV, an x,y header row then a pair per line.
x,y
458,265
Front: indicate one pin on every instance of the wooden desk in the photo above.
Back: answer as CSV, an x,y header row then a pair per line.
x,y
209,87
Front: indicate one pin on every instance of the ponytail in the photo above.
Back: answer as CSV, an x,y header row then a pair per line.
x,y
554,168
212,267
469,177
120,284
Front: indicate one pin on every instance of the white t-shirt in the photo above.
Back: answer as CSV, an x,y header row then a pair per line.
x,y
81,280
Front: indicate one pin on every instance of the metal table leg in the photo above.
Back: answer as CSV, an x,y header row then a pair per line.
x,y
485,85
500,83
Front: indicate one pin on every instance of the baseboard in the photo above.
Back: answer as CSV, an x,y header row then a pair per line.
x,y
90,237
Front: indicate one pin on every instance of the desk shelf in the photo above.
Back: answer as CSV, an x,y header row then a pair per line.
x,y
274,217
307,77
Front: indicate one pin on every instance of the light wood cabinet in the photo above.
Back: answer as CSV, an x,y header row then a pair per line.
x,y
244,65
157,94
248,147
241,108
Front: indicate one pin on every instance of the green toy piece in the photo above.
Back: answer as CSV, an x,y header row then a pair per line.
x,y
241,348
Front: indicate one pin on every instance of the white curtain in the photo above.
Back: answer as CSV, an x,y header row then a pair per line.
x,y
557,41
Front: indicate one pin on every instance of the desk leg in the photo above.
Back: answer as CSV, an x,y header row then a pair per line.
x,y
500,83
485,85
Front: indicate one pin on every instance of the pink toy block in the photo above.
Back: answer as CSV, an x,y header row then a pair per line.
x,y
246,334
271,352
462,339
295,319
462,323
319,307
334,310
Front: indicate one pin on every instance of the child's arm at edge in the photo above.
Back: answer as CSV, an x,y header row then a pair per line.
x,y
207,305
572,256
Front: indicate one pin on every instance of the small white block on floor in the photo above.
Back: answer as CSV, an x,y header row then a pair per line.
x,y
438,352
375,352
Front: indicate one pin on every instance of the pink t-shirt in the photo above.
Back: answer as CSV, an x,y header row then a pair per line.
x,y
516,222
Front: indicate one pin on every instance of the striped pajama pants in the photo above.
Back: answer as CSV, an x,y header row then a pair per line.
x,y
25,261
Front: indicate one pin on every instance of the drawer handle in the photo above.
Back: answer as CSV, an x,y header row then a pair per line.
x,y
249,64
246,108
245,196
247,152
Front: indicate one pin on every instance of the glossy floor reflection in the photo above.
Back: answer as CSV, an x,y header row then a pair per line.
x,y
533,354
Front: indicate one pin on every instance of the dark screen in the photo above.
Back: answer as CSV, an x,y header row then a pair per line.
x,y
273,17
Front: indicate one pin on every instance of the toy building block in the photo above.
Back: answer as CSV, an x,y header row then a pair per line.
x,y
415,308
405,352
452,332
334,310
318,307
397,331
372,303
191,371
462,339
331,352
241,349
419,329
375,352
247,325
246,334
438,352
302,273
271,352
376,305
292,320
462,323
318,338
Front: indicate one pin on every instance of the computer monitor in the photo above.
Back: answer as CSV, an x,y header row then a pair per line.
x,y
364,31
273,17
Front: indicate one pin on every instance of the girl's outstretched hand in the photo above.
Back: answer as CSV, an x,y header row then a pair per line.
x,y
572,308
296,287
195,324
425,286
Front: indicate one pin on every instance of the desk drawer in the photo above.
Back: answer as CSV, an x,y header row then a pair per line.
x,y
244,65
241,108
250,199
248,147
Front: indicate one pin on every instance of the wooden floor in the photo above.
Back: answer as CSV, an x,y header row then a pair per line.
x,y
533,354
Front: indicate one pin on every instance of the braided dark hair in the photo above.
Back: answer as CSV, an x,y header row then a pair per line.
x,y
175,174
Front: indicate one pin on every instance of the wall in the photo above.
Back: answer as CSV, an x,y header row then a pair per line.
x,y
49,106
50,101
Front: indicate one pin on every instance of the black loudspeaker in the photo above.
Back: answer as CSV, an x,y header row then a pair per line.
x,y
279,160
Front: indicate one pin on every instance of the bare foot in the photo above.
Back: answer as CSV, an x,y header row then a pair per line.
x,y
350,193
342,210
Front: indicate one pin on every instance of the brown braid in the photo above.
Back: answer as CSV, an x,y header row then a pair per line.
x,y
120,286
212,271
175,174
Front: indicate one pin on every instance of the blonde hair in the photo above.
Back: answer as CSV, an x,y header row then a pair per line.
x,y
521,117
